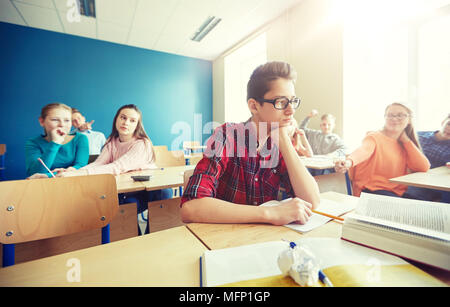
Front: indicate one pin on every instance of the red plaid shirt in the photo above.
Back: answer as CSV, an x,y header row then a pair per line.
x,y
232,169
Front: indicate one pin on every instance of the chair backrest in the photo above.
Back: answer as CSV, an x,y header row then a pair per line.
x,y
195,158
332,182
45,208
186,176
164,157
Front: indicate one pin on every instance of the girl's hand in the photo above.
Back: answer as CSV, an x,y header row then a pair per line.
x,y
57,136
342,166
404,137
38,176
86,126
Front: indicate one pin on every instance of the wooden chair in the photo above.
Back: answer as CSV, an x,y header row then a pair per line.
x,y
38,209
2,161
336,182
195,158
186,176
165,158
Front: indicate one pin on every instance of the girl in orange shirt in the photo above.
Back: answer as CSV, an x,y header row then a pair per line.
x,y
385,154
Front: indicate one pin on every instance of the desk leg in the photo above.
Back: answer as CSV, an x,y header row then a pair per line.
x,y
8,255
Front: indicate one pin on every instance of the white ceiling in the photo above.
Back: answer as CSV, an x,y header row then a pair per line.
x,y
163,25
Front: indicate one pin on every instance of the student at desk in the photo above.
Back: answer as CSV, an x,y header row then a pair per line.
x,y
323,141
57,148
436,147
128,148
386,154
245,164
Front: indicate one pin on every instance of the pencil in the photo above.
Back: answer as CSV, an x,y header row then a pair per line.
x,y
328,215
40,160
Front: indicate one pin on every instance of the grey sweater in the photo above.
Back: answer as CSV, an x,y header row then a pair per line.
x,y
323,144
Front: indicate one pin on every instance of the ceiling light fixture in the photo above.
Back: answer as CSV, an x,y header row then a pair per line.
x,y
87,7
205,28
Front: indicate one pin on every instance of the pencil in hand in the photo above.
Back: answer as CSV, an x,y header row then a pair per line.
x,y
42,162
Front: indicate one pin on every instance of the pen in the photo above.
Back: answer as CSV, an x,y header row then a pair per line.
x,y
323,278
42,162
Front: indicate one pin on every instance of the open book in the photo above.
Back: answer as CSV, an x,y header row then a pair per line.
x,y
414,229
344,263
316,220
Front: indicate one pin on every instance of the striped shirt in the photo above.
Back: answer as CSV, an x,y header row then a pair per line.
x,y
233,170
437,152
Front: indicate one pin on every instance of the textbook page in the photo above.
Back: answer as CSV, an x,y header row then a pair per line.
x,y
316,220
415,215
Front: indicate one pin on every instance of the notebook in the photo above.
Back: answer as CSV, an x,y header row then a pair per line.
x,y
345,264
316,220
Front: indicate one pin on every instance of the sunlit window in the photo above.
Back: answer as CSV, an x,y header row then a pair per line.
x,y
239,66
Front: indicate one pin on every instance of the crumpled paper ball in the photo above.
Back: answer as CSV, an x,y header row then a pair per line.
x,y
299,263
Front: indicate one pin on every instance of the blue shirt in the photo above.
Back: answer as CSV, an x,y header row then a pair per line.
x,y
75,153
437,152
96,141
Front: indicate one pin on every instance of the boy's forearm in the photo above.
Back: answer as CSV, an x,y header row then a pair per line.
x,y
213,210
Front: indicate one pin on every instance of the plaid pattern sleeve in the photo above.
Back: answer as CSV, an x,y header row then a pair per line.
x,y
437,152
232,169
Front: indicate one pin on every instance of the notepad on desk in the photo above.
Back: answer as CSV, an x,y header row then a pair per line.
x,y
345,264
316,220
414,229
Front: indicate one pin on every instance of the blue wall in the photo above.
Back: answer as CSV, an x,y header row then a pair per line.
x,y
38,67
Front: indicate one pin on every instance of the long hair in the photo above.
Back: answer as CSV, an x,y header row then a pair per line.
x,y
139,132
409,130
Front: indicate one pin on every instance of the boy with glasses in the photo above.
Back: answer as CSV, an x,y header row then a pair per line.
x,y
245,164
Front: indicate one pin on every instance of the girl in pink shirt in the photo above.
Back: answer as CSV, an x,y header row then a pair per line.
x,y
128,148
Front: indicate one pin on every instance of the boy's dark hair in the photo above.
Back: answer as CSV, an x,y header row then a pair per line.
x,y
258,85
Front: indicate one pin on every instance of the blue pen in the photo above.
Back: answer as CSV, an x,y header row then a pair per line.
x,y
323,278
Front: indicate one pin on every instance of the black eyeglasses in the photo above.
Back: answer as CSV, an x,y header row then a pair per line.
x,y
283,102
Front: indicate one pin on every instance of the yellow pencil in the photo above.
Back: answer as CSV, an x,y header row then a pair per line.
x,y
328,215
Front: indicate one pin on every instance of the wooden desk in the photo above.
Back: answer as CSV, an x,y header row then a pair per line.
x,y
165,258
437,178
161,178
217,236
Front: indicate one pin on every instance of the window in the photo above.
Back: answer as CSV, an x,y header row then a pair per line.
x,y
239,66
433,80
402,56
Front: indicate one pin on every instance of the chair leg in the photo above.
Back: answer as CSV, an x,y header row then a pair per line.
x,y
8,255
349,184
106,234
